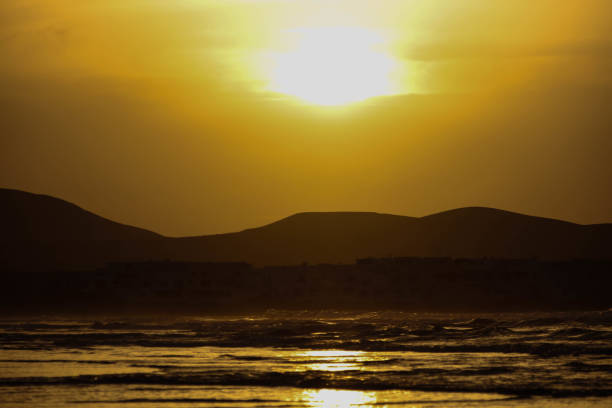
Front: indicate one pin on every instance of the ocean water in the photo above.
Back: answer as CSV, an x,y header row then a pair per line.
x,y
306,359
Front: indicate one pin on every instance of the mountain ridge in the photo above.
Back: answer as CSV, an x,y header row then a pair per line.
x,y
45,211
61,234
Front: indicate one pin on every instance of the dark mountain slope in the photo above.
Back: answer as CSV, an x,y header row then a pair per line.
x,y
477,231
305,237
473,232
26,216
44,232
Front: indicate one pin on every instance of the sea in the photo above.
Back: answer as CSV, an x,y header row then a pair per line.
x,y
309,359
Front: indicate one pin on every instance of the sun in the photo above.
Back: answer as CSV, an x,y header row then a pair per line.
x,y
332,66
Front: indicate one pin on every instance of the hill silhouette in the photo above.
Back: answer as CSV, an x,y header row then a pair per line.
x,y
45,232
40,232
27,216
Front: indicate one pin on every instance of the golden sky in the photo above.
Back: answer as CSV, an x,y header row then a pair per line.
x,y
201,116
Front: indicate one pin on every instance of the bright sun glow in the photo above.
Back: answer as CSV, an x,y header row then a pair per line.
x,y
333,66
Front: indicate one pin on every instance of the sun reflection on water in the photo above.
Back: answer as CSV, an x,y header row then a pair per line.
x,y
338,398
333,360
336,360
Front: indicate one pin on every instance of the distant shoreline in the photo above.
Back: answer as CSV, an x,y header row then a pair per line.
x,y
406,284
